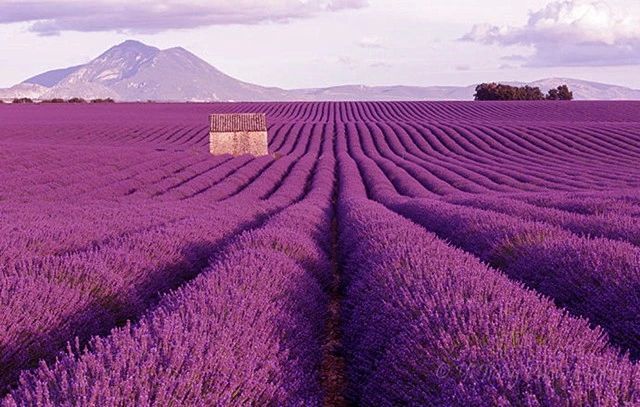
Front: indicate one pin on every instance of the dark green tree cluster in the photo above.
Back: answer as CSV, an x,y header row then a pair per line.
x,y
77,100
562,92
498,91
60,100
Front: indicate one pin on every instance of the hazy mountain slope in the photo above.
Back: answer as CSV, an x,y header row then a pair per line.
x,y
585,90
361,92
23,90
52,78
85,90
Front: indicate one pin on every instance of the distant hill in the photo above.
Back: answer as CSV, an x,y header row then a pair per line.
x,y
23,90
133,71
585,90
362,92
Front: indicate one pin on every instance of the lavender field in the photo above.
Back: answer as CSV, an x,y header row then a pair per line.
x,y
385,254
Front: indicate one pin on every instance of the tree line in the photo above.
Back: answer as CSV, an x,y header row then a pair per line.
x,y
59,100
498,91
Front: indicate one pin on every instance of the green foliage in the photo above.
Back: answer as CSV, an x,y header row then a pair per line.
x,y
498,91
562,92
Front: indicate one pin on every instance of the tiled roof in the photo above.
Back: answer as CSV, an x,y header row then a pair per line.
x,y
238,122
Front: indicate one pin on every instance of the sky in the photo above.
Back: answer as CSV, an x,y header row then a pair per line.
x,y
314,43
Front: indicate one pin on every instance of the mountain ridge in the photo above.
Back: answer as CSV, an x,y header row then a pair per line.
x,y
134,71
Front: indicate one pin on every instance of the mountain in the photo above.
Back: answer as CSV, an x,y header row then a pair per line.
x,y
133,71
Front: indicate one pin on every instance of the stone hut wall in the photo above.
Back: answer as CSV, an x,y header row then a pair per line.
x,y
238,133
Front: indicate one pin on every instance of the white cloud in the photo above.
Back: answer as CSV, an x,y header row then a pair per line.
x,y
48,17
570,33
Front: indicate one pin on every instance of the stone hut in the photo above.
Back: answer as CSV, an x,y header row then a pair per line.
x,y
238,133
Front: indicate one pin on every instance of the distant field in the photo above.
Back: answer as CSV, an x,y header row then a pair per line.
x,y
400,253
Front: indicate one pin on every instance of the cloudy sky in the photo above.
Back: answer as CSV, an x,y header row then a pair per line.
x,y
304,43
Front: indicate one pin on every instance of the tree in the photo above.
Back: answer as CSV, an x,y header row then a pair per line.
x,y
486,91
22,100
553,94
530,93
562,92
